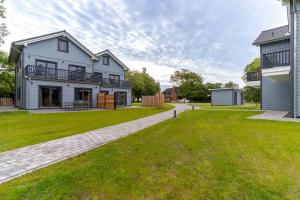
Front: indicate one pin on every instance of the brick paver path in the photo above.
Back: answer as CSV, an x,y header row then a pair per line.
x,y
23,160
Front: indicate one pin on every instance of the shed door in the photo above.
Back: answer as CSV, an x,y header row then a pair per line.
x,y
234,98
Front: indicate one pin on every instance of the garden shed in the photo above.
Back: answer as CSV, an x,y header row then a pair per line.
x,y
227,97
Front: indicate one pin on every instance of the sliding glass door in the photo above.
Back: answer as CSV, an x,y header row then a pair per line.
x,y
121,99
50,97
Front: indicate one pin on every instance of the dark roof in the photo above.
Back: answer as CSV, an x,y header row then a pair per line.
x,y
275,34
168,90
222,89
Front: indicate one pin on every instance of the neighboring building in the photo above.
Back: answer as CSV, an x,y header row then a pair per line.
x,y
226,97
55,69
170,95
279,77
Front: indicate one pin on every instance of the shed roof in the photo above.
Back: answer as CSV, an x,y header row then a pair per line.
x,y
220,89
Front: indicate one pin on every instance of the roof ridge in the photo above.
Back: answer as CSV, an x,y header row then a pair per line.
x,y
275,28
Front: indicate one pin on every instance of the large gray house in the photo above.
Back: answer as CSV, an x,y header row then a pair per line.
x,y
55,70
279,77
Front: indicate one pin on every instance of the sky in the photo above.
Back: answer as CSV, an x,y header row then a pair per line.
x,y
212,38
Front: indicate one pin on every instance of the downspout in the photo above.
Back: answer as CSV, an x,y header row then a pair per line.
x,y
295,57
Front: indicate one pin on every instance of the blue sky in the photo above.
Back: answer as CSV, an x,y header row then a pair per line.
x,y
212,38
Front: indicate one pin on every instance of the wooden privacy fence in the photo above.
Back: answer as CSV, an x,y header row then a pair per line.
x,y
6,101
157,101
106,101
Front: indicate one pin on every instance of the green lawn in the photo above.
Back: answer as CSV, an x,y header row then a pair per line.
x,y
18,129
137,104
247,106
200,155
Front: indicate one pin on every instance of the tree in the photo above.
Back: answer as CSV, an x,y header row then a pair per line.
x,y
7,76
3,27
231,84
252,94
151,87
190,85
254,66
142,84
213,85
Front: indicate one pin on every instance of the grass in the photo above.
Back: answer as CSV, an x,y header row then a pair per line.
x,y
18,129
137,104
247,106
201,155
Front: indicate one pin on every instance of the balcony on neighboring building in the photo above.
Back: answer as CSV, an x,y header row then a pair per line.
x,y
77,76
276,66
253,79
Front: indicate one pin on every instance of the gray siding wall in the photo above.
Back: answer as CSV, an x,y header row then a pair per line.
x,y
47,50
297,63
112,68
276,95
275,46
221,97
67,92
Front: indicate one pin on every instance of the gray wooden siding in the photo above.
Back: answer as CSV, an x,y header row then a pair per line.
x,y
297,64
221,97
112,68
225,97
275,46
276,95
47,50
67,91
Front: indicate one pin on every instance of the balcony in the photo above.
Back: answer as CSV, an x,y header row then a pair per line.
x,y
253,79
78,76
276,59
277,66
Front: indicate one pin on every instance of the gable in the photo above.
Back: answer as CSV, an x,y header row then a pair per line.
x,y
49,48
113,57
31,41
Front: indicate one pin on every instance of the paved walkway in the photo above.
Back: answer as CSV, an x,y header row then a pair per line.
x,y
8,109
275,115
20,161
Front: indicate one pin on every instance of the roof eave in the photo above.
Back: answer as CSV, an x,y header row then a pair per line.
x,y
270,41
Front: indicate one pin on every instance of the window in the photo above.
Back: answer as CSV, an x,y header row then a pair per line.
x,y
83,94
114,80
76,72
46,68
42,63
114,77
63,45
77,68
105,60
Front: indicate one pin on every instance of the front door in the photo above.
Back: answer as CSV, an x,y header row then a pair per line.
x,y
50,97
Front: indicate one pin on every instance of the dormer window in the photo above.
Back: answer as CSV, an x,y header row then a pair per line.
x,y
105,60
63,45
